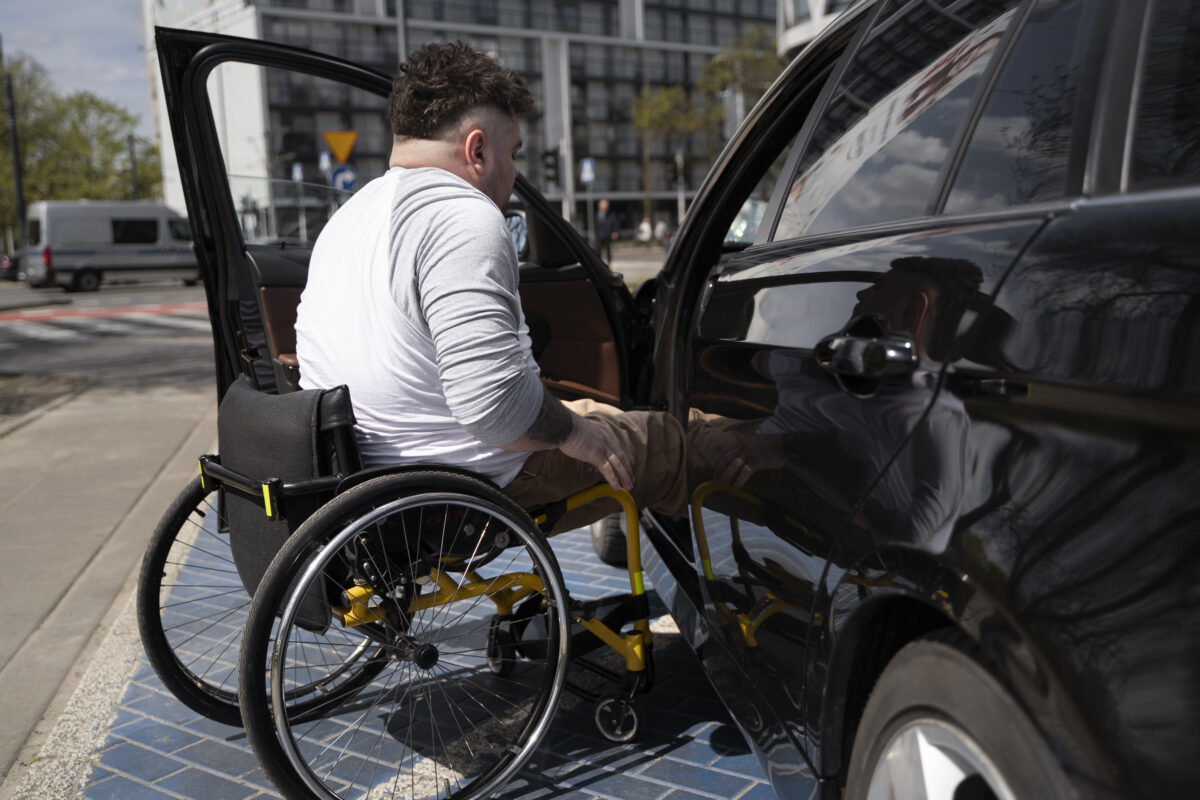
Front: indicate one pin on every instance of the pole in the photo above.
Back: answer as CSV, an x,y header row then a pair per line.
x,y
18,183
133,176
679,205
591,218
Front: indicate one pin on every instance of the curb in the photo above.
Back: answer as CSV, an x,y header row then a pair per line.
x,y
21,306
40,411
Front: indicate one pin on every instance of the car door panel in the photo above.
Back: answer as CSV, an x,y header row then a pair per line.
x,y
883,461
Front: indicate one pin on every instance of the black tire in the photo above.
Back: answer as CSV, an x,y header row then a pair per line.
x,y
971,732
608,540
86,280
435,715
192,608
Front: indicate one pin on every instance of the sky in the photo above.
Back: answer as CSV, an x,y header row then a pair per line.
x,y
93,45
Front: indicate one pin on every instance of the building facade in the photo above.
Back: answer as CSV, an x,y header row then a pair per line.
x,y
584,60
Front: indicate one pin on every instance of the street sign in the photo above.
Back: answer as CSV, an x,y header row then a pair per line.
x,y
341,143
297,171
587,171
323,163
343,178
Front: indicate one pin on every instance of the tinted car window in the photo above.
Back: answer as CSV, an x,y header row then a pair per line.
x,y
1166,147
35,231
180,230
1020,148
134,231
877,152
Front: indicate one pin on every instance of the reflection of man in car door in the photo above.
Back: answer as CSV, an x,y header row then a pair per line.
x,y
838,441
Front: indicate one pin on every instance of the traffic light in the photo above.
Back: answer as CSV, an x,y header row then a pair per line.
x,y
550,165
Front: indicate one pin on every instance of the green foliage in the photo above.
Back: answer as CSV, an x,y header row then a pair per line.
x,y
73,146
748,66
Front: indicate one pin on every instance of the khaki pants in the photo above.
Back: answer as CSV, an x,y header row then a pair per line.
x,y
657,451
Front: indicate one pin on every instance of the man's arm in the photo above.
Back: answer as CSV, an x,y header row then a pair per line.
x,y
557,427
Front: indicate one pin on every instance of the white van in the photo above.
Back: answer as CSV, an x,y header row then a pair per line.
x,y
79,244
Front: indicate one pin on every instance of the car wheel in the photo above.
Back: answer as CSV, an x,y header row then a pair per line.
x,y
939,726
608,539
86,281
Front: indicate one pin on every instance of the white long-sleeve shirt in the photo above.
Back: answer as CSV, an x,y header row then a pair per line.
x,y
412,302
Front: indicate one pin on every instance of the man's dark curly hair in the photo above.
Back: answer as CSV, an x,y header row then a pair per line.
x,y
441,82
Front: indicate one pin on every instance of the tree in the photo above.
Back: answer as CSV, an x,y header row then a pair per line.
x,y
747,67
73,147
740,74
667,115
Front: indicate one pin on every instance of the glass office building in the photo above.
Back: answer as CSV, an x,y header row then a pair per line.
x,y
584,60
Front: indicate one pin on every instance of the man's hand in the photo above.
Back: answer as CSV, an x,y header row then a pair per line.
x,y
593,445
558,427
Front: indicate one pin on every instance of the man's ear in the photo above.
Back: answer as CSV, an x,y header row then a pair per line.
x,y
474,150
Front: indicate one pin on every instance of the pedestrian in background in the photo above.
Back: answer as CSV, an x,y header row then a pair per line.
x,y
607,228
644,232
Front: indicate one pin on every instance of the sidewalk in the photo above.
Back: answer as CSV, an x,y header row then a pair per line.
x,y
112,731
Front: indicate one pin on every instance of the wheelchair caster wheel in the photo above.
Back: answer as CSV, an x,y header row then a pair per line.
x,y
501,650
612,723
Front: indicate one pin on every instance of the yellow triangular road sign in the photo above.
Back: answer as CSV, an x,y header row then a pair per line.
x,y
340,143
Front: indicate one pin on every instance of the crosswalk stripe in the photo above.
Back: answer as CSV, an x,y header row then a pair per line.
x,y
168,320
40,330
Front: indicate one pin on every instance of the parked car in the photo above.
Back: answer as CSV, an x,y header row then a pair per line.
x,y
944,540
8,267
79,244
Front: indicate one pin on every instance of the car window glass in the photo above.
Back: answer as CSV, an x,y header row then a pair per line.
x,y
180,230
745,225
323,141
877,151
134,231
35,231
1019,150
1166,147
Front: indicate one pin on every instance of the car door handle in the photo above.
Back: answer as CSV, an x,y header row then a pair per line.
x,y
876,357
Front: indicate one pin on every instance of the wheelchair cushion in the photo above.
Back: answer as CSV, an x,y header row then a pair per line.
x,y
284,436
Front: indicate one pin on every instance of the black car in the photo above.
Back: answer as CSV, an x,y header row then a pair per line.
x,y
944,539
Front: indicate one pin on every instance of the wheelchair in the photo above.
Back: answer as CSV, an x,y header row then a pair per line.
x,y
400,632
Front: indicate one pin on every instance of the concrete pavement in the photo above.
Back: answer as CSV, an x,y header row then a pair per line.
x,y
81,488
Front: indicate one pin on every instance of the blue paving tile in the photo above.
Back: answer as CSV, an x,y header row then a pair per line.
x,y
218,757
759,791
217,730
138,762
687,776
194,782
620,786
157,735
120,788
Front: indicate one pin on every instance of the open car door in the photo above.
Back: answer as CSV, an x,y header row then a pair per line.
x,y
233,108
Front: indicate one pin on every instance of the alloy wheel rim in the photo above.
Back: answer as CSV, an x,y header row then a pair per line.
x,y
931,759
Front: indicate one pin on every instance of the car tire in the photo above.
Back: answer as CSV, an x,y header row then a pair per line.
x,y
87,280
938,724
608,539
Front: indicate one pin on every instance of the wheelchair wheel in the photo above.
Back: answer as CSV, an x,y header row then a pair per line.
x,y
420,563
192,606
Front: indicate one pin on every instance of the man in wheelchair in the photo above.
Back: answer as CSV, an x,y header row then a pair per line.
x,y
412,302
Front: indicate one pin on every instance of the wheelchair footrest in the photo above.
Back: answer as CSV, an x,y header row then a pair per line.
x,y
615,612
